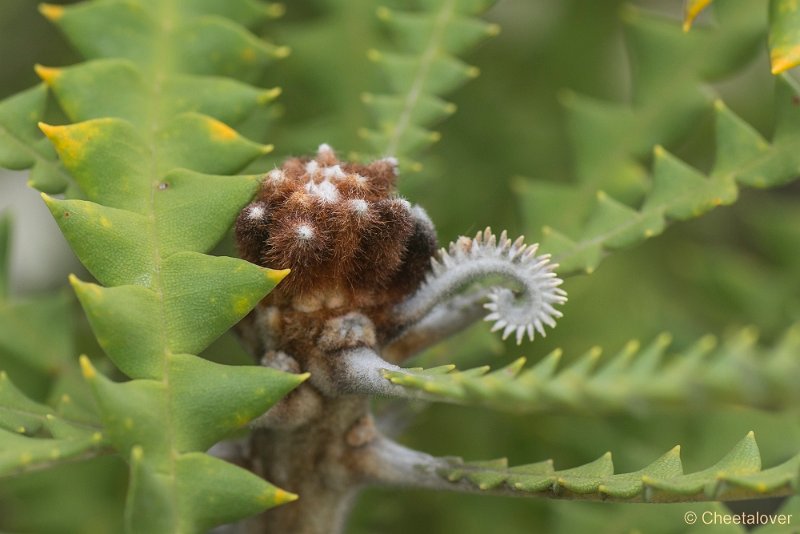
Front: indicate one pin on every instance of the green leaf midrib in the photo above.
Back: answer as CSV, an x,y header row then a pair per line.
x,y
161,69
425,64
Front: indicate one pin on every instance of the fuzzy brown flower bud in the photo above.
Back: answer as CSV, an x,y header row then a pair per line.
x,y
342,230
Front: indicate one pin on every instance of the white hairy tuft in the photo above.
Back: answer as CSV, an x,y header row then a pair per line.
x,y
334,172
312,167
305,232
325,191
256,211
359,206
275,176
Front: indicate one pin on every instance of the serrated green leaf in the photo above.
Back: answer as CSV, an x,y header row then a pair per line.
x,y
148,161
669,97
743,459
736,476
631,381
425,67
680,192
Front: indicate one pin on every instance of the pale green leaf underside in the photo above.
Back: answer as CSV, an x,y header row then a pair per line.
x,y
738,373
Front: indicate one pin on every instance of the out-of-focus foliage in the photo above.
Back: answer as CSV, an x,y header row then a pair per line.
x,y
642,82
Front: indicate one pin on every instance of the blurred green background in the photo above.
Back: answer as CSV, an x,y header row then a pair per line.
x,y
736,266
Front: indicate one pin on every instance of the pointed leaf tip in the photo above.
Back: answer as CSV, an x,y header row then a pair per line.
x,y
49,130
47,74
282,497
276,275
88,371
51,12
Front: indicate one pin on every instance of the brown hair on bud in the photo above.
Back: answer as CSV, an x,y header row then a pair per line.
x,y
340,228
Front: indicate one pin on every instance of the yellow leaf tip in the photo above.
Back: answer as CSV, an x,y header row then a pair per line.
x,y
276,10
493,30
282,52
658,151
283,497
48,129
383,13
783,60
276,275
47,74
87,370
51,12
137,453
269,95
